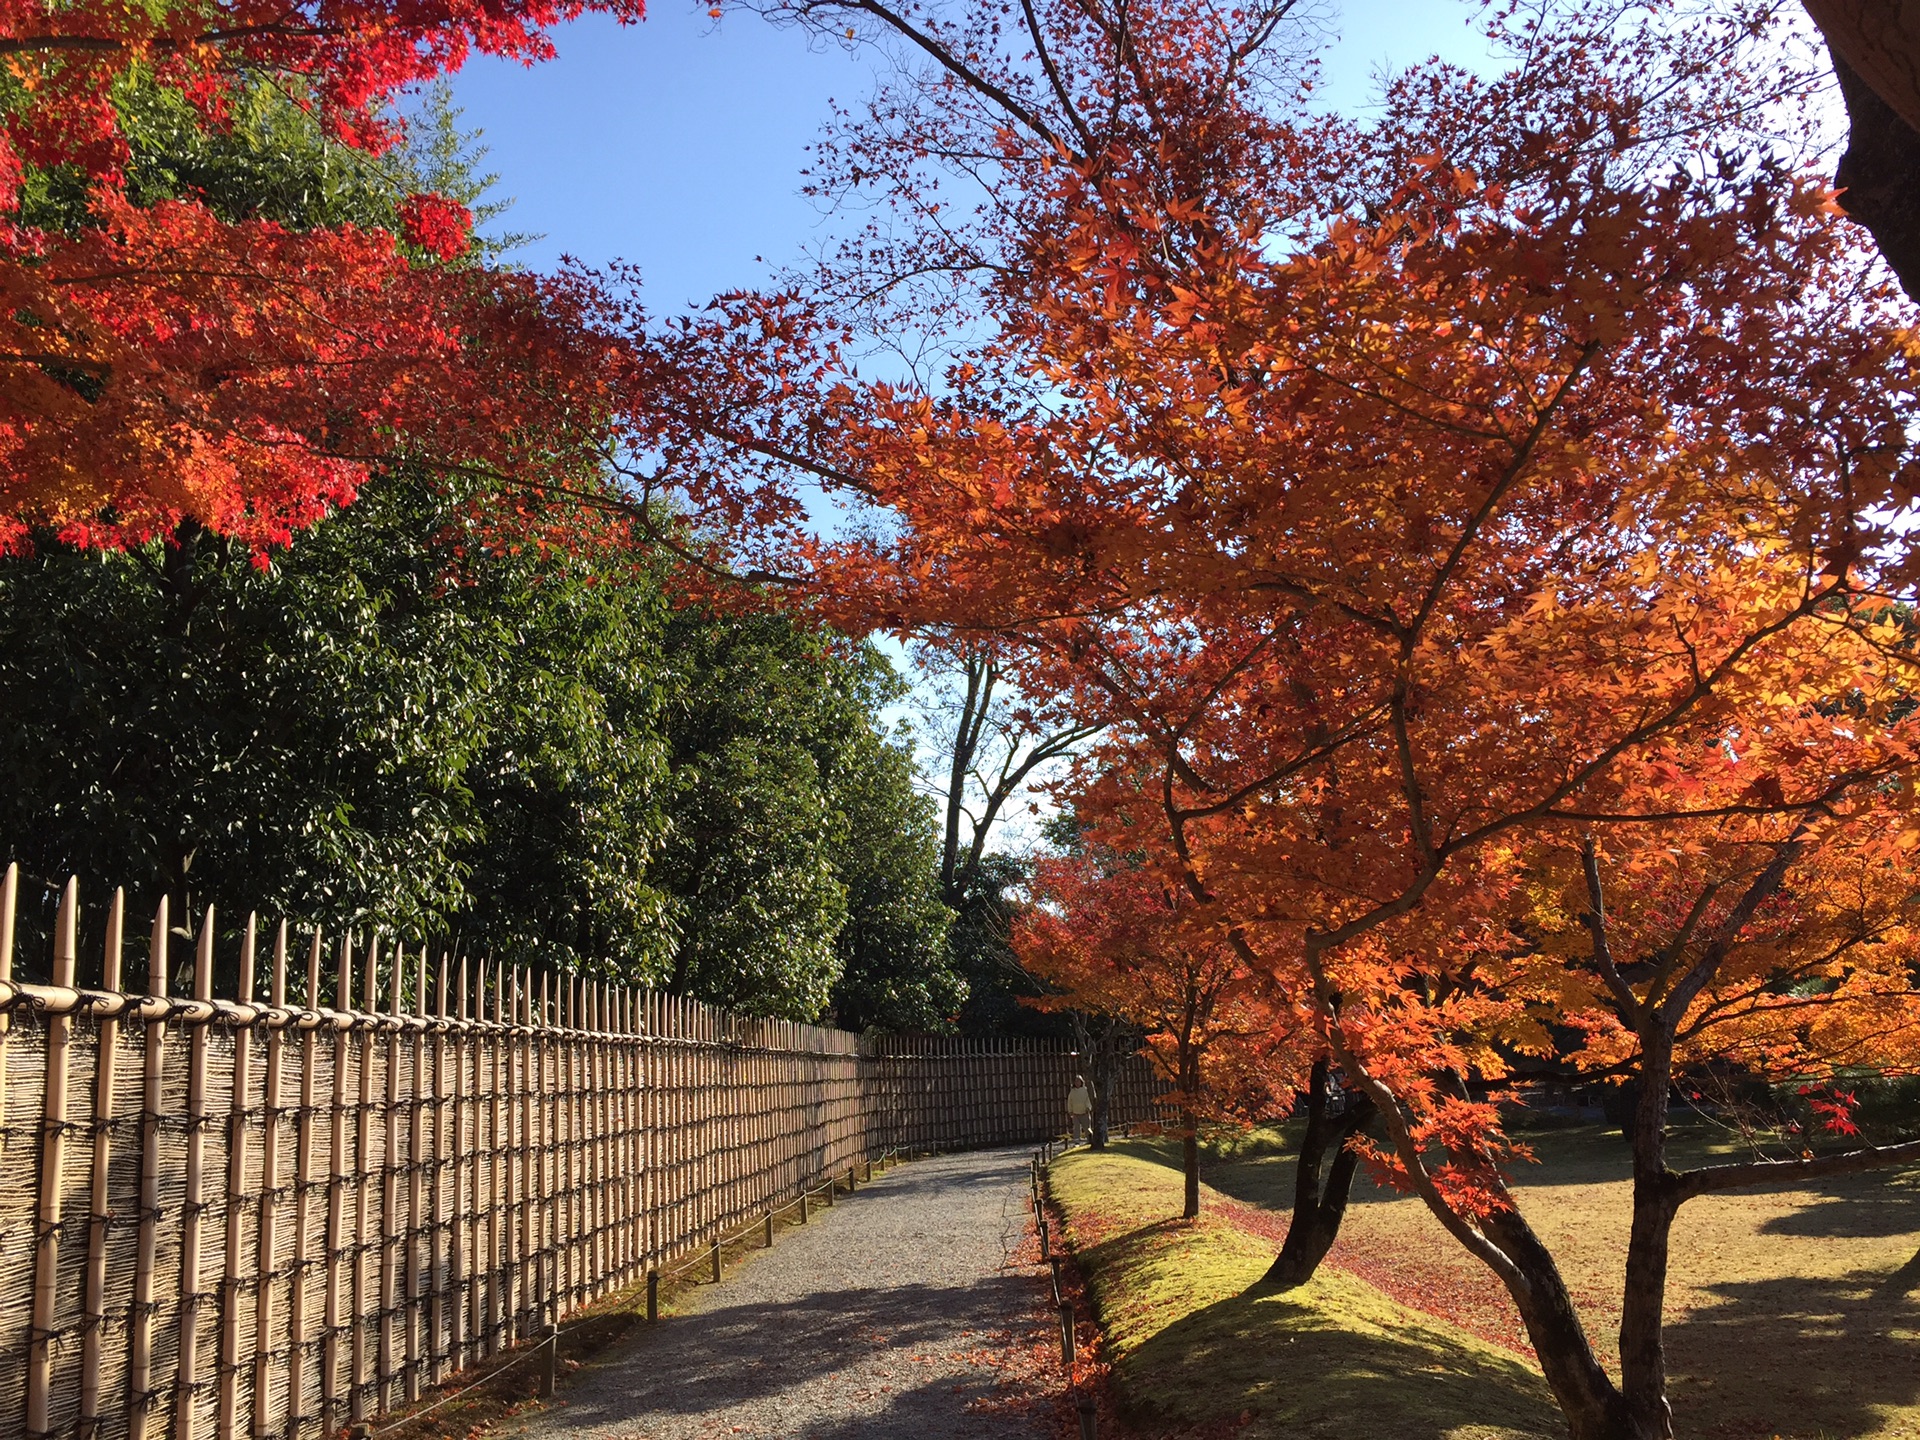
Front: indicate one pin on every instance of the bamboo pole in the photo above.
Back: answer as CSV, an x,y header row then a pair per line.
x,y
499,1160
519,1124
236,1197
53,1154
330,1358
602,1099
140,1319
417,1235
362,1168
187,1379
466,1191
460,1241
302,1210
267,1235
385,1358
544,1123
93,1305
438,1321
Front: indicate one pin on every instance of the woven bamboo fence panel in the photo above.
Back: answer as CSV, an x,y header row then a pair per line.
x,y
281,1213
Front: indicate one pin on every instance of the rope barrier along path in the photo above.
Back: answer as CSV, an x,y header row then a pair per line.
x,y
899,1316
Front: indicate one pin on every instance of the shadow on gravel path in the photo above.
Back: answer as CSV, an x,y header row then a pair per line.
x,y
891,1315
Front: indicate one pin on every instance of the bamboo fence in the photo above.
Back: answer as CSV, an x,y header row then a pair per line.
x,y
265,1215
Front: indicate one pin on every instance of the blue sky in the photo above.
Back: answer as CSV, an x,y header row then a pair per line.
x,y
678,143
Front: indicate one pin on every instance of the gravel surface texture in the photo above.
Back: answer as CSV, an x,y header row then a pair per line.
x,y
891,1314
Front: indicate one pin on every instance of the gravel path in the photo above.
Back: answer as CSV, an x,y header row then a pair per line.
x,y
890,1315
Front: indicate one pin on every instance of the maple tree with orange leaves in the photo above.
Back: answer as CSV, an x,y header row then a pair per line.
x,y
1526,463
1116,935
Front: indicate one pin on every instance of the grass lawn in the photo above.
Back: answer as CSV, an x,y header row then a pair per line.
x,y
1792,1313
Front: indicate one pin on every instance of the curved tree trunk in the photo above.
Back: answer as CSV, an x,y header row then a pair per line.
x,y
1875,46
1318,1208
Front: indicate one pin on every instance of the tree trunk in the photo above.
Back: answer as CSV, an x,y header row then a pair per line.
x,y
1190,1164
1593,1407
1318,1209
1097,1121
1643,1360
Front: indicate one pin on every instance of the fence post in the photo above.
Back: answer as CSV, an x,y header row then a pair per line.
x,y
716,1262
769,1229
302,1199
549,1355
653,1296
94,1307
229,1367
187,1380
1066,1334
140,1318
1089,1419
53,1153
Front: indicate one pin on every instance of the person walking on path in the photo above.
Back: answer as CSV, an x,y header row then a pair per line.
x,y
901,1312
1079,1108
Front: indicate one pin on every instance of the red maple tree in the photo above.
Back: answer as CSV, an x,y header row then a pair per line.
x,y
160,365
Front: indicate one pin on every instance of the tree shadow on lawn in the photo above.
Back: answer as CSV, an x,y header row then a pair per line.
x,y
1791,1356
1869,1206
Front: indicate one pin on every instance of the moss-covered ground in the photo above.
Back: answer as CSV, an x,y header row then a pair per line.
x,y
1791,1313
1196,1344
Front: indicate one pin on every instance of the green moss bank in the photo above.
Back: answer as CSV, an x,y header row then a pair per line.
x,y
1196,1340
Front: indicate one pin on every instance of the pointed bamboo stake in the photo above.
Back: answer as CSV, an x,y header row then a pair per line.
x,y
140,1319
187,1378
236,1186
93,1304
53,1155
268,1234
330,1359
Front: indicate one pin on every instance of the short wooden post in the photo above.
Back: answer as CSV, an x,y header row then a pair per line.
x,y
1043,1237
1053,1265
1089,1418
1066,1334
832,1185
549,1356
803,1205
769,1229
53,1153
653,1296
851,1175
716,1262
